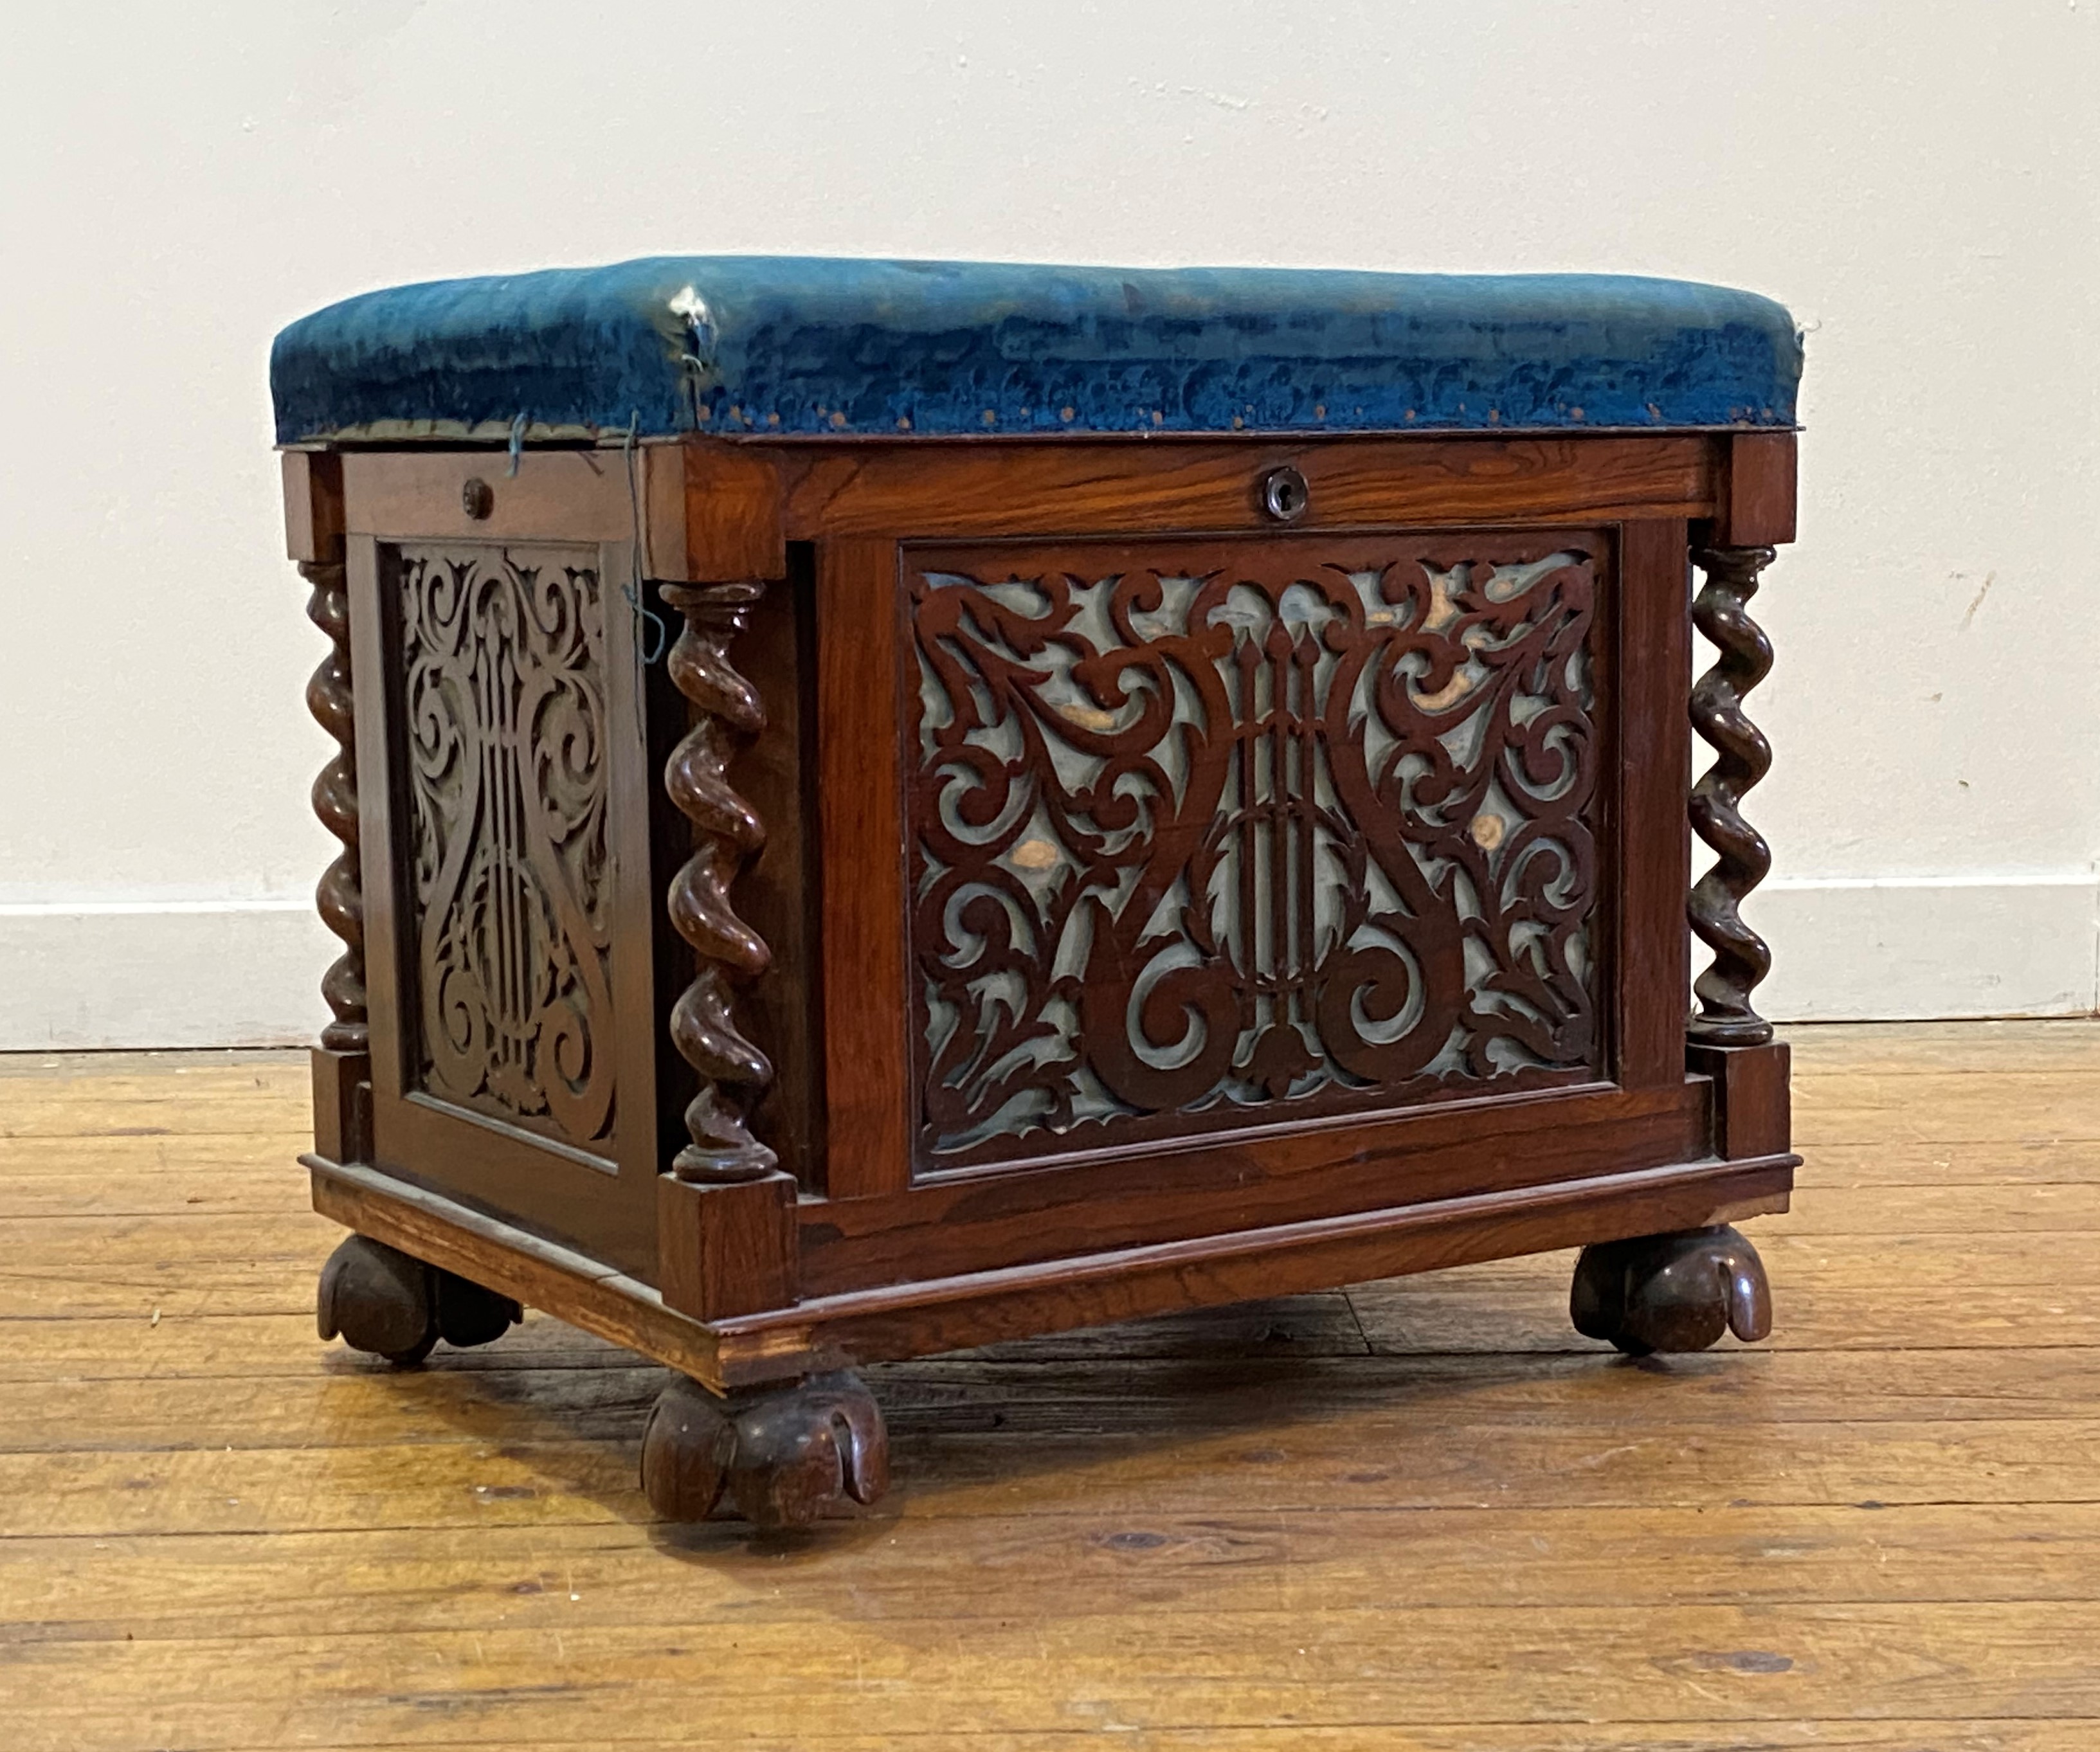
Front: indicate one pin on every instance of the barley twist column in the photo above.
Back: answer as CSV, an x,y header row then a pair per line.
x,y
727,834
1724,1017
340,896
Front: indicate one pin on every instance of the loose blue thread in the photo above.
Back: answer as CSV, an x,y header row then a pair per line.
x,y
636,584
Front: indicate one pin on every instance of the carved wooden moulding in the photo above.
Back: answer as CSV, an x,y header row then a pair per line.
x,y
1210,835
503,731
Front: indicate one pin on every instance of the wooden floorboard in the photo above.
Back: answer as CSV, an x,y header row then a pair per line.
x,y
1422,1515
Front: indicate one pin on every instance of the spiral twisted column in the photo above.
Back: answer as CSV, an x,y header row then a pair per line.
x,y
340,896
727,834
1741,958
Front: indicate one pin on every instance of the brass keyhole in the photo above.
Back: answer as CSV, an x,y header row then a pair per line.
x,y
1285,496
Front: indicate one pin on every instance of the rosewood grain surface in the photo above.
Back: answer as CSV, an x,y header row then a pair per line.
x,y
1209,1185
578,496
1757,490
860,818
1648,763
931,487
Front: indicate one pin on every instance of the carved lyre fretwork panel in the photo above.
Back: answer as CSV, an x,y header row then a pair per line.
x,y
503,707
1743,757
1241,833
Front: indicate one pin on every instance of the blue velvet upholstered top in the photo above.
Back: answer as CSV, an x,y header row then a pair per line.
x,y
802,346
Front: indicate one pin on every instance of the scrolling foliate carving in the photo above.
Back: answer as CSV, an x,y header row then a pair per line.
x,y
1216,835
503,666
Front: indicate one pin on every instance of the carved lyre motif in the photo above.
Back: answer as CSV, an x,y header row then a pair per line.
x,y
503,662
727,835
1199,833
1742,859
340,896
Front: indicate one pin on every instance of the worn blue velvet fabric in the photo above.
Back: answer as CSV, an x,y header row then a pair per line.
x,y
736,344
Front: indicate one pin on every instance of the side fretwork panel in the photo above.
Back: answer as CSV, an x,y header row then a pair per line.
x,y
502,741
506,876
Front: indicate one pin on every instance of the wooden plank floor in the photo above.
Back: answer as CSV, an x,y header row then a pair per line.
x,y
1422,1515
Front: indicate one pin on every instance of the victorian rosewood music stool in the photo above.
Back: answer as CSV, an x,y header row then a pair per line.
x,y
890,805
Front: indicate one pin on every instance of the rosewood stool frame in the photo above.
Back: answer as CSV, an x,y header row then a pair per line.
x,y
768,1219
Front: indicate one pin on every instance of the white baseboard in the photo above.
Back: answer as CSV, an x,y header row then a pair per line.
x,y
247,973
1915,948
162,973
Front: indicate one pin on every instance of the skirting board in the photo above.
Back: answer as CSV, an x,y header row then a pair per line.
x,y
247,973
1912,949
162,973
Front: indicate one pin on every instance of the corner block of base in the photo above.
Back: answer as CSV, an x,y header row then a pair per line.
x,y
1753,1110
342,1104
725,1249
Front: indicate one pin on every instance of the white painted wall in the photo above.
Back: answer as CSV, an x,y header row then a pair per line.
x,y
1916,178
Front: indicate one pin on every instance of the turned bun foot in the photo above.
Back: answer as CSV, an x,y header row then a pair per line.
x,y
388,1303
1675,1292
783,1456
